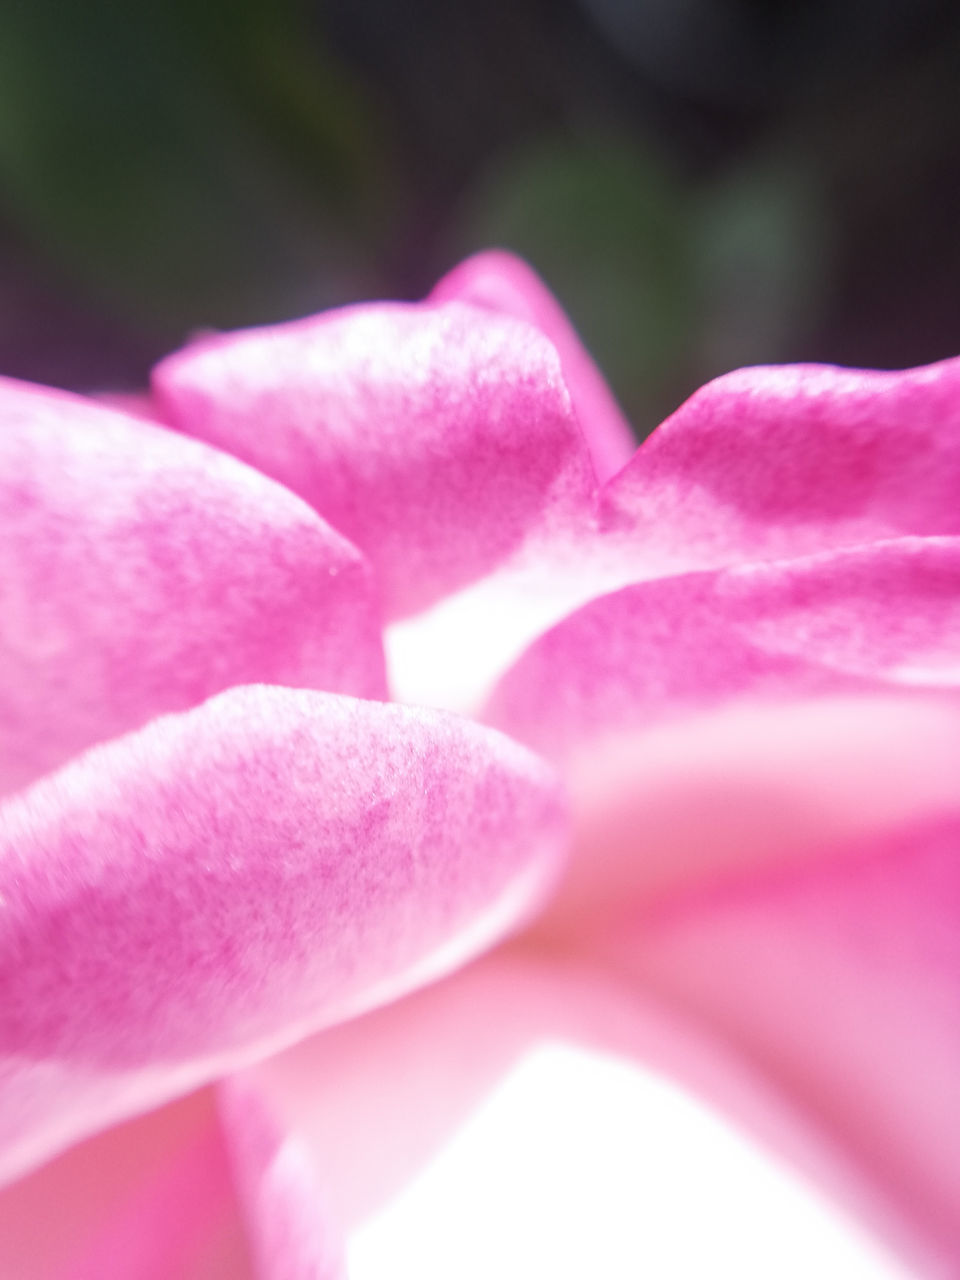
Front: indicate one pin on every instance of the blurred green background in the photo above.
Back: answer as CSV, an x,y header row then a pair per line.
x,y
704,183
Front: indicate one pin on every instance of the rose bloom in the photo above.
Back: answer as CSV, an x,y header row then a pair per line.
x,y
440,841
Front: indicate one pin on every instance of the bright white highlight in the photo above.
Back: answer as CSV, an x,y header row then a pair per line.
x,y
584,1165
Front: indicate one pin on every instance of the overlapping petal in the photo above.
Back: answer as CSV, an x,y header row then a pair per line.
x,y
193,895
502,282
519,1120
141,572
842,980
765,463
883,614
735,717
437,438
291,1231
150,1199
696,800
742,652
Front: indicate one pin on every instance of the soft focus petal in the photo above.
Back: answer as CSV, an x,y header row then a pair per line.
x,y
842,981
747,786
885,613
138,404
436,438
289,1224
771,462
502,282
186,898
518,1121
148,1200
141,572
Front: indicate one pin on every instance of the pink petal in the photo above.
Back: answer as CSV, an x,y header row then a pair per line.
x,y
141,572
502,282
288,1222
137,404
751,785
884,613
437,438
772,462
764,464
518,1121
148,1200
189,897
842,981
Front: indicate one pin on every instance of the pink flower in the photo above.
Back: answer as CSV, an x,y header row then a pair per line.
x,y
679,731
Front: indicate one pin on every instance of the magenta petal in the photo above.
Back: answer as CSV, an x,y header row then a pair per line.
x,y
842,981
141,572
773,462
887,613
761,465
436,438
151,1199
188,897
502,282
524,1119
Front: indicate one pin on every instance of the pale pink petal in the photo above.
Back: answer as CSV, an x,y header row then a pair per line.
x,y
772,462
151,1199
292,1234
141,572
524,1119
437,438
750,785
887,613
189,897
502,282
842,981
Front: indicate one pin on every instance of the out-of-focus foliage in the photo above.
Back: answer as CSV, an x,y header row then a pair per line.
x,y
199,163
672,282
609,227
704,184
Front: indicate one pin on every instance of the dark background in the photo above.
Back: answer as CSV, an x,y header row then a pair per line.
x,y
704,183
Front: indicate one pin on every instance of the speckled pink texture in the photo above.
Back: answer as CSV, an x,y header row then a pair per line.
x,y
884,614
773,462
141,572
737,659
502,282
182,899
436,438
764,464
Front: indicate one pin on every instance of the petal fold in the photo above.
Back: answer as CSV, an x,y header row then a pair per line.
x,y
437,438
705,798
141,572
884,614
841,981
289,1225
520,1120
502,282
184,899
763,465
771,462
